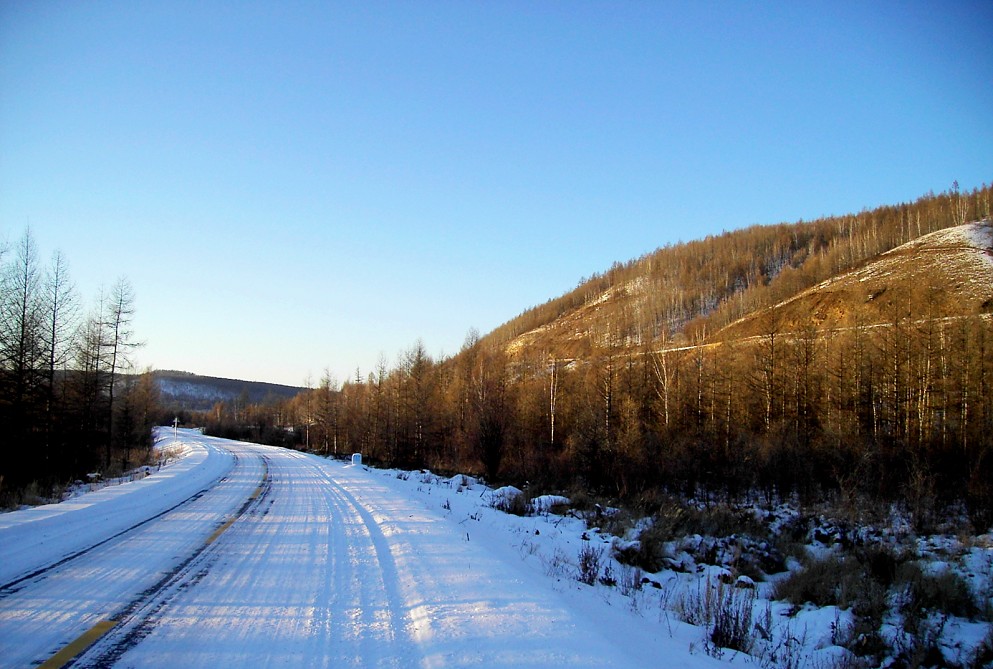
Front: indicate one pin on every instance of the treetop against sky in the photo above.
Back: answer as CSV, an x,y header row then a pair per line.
x,y
290,187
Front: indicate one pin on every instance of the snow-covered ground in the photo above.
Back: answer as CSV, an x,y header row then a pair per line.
x,y
327,564
245,555
39,536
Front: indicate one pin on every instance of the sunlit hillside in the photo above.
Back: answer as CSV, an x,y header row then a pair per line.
x,y
944,274
688,291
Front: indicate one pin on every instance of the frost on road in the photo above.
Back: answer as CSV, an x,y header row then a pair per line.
x,y
244,555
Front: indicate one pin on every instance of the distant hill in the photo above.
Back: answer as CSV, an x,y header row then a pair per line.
x,y
183,390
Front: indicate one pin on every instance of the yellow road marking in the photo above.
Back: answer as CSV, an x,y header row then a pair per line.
x,y
87,639
220,530
90,636
230,521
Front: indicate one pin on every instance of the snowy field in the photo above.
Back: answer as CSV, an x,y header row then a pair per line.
x,y
244,555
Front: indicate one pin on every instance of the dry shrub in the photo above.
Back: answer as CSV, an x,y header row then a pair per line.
x,y
942,592
828,581
590,564
724,610
517,505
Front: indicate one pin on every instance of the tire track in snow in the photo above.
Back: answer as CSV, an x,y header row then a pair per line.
x,y
310,581
128,625
39,574
396,621
364,608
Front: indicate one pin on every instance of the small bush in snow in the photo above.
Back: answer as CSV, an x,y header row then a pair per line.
x,y
511,500
945,592
556,565
607,578
724,610
731,626
922,647
631,580
869,582
649,551
722,520
695,606
528,547
829,581
590,563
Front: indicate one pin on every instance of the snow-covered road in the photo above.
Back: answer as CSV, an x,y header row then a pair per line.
x,y
244,555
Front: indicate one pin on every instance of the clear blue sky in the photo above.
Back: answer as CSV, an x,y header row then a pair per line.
x,y
292,186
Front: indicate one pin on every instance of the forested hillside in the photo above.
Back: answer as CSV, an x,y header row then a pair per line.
x,y
625,387
184,391
689,290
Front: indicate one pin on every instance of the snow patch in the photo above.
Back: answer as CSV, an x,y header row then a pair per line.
x,y
545,503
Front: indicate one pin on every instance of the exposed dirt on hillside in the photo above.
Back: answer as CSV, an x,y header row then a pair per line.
x,y
945,274
573,333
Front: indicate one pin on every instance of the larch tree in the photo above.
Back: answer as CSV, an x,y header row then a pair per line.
x,y
21,350
118,344
60,312
328,413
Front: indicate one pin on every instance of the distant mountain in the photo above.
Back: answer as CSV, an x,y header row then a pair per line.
x,y
183,390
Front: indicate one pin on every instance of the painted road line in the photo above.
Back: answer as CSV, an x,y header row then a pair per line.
x,y
254,496
92,635
87,639
220,530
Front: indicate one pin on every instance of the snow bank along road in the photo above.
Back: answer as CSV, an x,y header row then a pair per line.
x,y
245,555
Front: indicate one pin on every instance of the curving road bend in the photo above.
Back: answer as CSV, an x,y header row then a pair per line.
x,y
67,567
303,579
246,555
